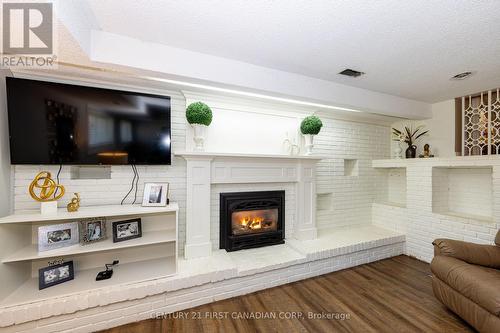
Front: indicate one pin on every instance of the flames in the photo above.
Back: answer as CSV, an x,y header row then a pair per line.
x,y
253,223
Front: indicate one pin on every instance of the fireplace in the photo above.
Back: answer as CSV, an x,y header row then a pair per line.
x,y
251,219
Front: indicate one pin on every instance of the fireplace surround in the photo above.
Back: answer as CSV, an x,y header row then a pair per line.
x,y
251,219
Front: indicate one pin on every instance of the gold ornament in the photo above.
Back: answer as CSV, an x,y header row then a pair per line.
x,y
74,204
49,190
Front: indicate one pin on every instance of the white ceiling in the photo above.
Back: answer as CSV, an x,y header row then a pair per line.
x,y
407,48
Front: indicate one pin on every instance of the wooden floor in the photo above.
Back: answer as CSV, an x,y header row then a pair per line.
x,y
392,295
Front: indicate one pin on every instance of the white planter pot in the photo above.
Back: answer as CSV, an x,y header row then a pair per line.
x,y
308,138
199,136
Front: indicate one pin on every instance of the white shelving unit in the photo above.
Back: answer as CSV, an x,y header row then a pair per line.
x,y
152,256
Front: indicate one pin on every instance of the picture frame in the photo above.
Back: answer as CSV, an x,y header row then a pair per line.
x,y
92,230
127,230
56,236
155,194
56,274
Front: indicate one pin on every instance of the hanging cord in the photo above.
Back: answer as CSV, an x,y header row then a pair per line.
x,y
136,183
57,178
131,188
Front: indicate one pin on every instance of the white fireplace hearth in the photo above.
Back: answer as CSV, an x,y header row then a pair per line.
x,y
205,170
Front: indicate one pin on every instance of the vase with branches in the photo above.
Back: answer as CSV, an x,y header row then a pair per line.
x,y
409,135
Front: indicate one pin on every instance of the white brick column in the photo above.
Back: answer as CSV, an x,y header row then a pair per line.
x,y
198,242
305,226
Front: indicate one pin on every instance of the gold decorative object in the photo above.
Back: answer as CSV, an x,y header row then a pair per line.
x,y
74,204
49,190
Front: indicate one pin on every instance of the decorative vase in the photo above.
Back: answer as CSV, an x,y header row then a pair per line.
x,y
411,151
199,136
309,138
397,151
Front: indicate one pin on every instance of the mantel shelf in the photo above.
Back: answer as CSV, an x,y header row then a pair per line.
x,y
30,252
247,155
87,212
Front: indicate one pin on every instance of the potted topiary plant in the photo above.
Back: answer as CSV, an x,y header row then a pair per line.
x,y
310,127
199,115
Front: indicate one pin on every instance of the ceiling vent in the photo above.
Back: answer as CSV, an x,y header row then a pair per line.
x,y
351,72
462,76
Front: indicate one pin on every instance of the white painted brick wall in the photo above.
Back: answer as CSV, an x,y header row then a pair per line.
x,y
347,199
422,220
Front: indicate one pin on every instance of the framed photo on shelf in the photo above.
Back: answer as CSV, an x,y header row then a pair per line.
x,y
126,230
55,236
155,194
92,230
56,274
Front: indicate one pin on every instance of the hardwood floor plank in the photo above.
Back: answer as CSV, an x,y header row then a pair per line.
x,y
392,295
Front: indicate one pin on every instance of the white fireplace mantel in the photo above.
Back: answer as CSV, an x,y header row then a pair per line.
x,y
207,168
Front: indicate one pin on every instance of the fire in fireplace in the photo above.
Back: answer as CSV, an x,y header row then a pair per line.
x,y
251,219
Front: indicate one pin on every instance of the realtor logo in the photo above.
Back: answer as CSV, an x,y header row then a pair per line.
x,y
27,28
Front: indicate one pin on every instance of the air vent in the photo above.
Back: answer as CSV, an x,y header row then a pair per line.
x,y
351,72
462,76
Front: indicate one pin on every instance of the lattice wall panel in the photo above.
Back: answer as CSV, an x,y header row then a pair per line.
x,y
495,123
475,126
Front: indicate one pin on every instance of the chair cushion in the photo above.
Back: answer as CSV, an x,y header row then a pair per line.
x,y
479,284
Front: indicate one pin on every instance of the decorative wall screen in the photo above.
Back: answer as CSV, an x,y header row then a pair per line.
x,y
481,124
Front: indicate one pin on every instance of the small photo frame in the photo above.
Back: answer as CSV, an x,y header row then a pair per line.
x,y
126,230
92,230
52,275
155,194
55,236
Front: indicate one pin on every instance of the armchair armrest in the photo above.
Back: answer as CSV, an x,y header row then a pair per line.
x,y
476,254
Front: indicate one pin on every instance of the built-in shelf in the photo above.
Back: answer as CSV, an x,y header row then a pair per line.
x,y
151,256
392,204
31,216
30,252
481,218
134,272
453,162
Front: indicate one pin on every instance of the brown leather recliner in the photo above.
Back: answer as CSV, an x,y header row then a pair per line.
x,y
467,280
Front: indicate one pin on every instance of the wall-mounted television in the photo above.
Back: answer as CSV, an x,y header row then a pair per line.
x,y
55,123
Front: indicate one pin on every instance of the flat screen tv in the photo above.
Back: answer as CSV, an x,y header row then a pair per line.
x,y
54,123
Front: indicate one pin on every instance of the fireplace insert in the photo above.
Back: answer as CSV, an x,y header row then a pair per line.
x,y
251,219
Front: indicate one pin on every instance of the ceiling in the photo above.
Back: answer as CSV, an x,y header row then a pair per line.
x,y
406,48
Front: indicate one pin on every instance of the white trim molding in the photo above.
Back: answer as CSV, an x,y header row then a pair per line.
x,y
198,207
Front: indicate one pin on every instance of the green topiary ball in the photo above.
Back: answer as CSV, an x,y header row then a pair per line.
x,y
199,113
311,125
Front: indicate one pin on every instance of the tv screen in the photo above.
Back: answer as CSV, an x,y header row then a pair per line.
x,y
54,123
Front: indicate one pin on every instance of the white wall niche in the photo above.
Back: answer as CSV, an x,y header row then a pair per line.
x,y
351,168
90,172
393,190
463,192
324,201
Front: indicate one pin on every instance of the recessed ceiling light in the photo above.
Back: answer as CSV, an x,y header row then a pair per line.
x,y
351,72
462,76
